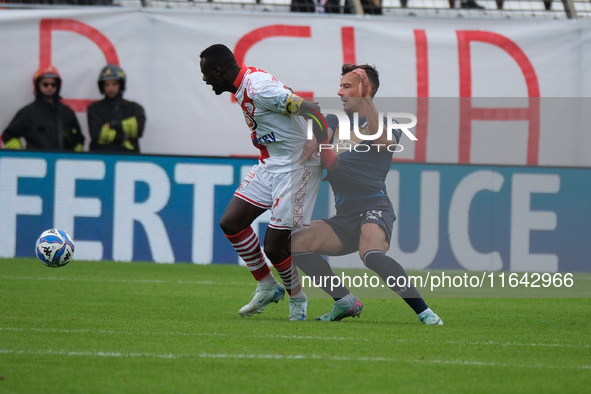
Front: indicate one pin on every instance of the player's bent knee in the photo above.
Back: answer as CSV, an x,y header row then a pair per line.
x,y
299,243
363,250
306,244
276,253
229,226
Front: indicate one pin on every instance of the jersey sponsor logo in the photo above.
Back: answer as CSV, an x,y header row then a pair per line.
x,y
261,147
265,139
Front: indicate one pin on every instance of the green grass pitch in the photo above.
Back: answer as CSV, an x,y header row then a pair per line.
x,y
107,327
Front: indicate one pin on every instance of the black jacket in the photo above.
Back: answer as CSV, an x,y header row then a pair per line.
x,y
38,123
113,112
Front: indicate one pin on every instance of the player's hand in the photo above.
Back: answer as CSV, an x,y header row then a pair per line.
x,y
364,86
310,150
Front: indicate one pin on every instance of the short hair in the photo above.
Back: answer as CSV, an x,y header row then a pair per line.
x,y
219,55
372,74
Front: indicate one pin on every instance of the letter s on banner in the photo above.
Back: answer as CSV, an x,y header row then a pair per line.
x,y
46,26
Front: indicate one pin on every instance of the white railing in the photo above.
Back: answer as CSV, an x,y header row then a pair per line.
x,y
490,9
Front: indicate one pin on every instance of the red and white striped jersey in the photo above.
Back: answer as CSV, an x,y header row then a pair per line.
x,y
279,136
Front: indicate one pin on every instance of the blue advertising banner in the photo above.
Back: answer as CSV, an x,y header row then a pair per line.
x,y
167,208
491,217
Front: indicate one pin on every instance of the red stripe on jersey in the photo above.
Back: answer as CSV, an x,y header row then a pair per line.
x,y
264,153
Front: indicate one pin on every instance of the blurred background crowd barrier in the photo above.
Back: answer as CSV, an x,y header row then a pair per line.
x,y
474,9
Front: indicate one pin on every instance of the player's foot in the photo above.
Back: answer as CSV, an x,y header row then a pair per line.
x,y
298,308
340,312
263,296
430,318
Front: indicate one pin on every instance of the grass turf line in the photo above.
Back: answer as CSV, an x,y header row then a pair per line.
x,y
99,327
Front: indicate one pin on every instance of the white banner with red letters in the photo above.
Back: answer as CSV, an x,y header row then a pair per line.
x,y
537,71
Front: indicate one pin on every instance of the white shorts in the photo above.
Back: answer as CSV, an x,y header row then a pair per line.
x,y
289,195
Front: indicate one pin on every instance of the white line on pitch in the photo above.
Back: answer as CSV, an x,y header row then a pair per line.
x,y
282,336
203,282
507,344
186,334
239,356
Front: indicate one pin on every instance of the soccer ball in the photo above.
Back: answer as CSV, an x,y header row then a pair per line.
x,y
54,248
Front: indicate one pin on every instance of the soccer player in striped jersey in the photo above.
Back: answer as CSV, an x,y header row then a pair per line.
x,y
279,182
364,215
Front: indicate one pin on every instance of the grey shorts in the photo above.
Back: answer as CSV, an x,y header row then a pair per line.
x,y
352,214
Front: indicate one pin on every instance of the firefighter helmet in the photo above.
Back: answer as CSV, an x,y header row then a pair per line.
x,y
47,71
111,72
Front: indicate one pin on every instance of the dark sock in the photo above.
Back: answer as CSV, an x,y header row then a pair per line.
x,y
386,267
318,269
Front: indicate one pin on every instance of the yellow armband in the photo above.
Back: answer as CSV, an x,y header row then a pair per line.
x,y
107,135
293,104
129,127
13,143
78,148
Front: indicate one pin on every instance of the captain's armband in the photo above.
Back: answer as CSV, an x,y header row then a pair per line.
x,y
293,105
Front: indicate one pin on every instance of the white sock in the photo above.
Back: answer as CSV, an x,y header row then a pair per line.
x,y
425,311
299,294
268,280
347,300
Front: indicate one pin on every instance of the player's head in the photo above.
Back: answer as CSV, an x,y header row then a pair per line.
x,y
111,81
372,75
350,84
47,82
219,68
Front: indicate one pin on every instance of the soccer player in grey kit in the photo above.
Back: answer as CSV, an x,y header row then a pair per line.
x,y
364,214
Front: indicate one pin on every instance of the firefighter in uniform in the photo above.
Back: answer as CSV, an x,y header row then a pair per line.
x,y
115,124
46,124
